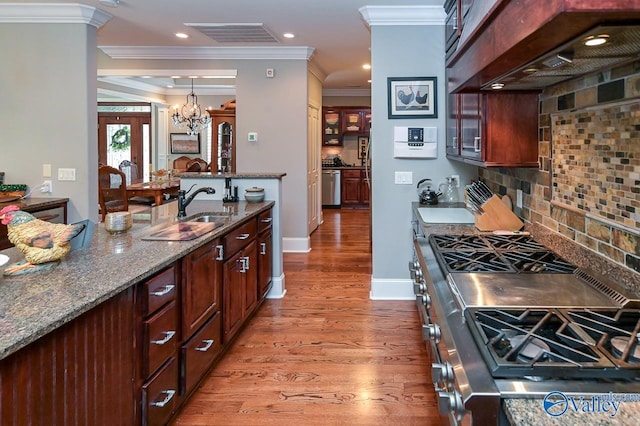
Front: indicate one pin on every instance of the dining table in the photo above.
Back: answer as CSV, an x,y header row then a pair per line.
x,y
157,190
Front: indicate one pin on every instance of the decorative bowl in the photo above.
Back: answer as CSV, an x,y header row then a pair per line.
x,y
254,195
117,222
331,121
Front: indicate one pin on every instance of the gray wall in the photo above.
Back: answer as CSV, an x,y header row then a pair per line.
x,y
48,113
402,51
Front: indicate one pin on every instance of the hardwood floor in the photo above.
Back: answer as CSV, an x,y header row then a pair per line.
x,y
324,354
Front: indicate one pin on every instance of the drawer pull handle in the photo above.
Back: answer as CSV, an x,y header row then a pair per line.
x,y
244,264
267,220
220,252
208,343
264,248
242,236
167,289
165,401
168,335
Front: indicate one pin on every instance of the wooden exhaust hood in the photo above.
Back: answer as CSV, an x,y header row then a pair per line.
x,y
517,35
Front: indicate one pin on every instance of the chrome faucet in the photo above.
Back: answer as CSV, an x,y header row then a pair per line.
x,y
184,201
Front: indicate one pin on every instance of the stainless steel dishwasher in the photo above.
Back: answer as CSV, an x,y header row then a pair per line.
x,y
330,188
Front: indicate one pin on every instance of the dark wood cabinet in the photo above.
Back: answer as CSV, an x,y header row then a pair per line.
x,y
341,121
265,253
240,278
493,129
354,188
201,286
199,352
223,140
331,127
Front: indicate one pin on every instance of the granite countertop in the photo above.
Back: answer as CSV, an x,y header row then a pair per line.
x,y
33,305
34,202
525,412
344,167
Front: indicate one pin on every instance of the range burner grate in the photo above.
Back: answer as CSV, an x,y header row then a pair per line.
x,y
558,343
496,253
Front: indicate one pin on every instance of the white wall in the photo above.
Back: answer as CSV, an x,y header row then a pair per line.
x,y
402,51
48,113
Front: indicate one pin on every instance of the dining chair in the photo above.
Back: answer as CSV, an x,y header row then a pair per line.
x,y
200,162
180,163
132,168
112,190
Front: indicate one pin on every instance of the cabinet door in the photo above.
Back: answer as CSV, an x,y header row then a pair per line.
x,y
470,125
453,130
201,286
350,187
265,265
233,296
331,127
352,121
250,254
364,188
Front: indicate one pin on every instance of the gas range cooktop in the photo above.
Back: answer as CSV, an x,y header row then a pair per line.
x,y
497,253
558,343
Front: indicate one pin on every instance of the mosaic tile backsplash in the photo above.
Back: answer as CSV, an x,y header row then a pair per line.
x,y
596,162
587,188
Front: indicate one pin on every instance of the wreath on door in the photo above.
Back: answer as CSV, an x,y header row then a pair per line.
x,y
121,139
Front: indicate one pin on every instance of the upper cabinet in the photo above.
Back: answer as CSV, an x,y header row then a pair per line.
x,y
493,129
223,141
331,127
341,121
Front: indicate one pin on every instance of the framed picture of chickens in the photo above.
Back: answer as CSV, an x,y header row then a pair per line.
x,y
412,97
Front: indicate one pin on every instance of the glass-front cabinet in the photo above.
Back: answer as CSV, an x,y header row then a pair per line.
x,y
331,129
223,141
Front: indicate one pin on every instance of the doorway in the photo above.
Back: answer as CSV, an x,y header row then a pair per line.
x,y
124,134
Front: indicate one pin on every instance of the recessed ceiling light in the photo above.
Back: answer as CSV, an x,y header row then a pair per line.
x,y
175,76
288,35
596,40
366,66
169,86
497,86
182,35
145,76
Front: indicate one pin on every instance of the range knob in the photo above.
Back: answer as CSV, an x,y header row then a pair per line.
x,y
418,275
419,288
451,403
443,374
426,300
431,332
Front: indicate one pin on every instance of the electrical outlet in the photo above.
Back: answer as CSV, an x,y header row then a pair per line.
x,y
46,186
403,178
519,198
457,179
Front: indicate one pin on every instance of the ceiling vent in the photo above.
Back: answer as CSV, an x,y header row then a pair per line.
x,y
236,33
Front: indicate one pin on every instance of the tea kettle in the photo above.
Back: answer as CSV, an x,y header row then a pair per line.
x,y
427,196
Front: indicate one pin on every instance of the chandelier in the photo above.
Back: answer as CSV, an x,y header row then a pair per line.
x,y
190,116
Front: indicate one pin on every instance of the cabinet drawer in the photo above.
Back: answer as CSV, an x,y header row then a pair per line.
x,y
351,174
264,220
239,238
199,352
160,394
161,338
160,290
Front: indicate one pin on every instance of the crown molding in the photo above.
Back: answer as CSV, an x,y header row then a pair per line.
x,y
403,15
52,13
130,72
207,52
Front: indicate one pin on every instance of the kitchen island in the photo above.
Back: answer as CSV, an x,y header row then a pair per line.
x,y
458,290
84,341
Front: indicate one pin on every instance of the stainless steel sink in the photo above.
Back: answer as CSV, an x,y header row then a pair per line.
x,y
219,218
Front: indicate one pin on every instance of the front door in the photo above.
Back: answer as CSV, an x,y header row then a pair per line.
x,y
125,136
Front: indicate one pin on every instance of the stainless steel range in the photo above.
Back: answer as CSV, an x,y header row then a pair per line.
x,y
505,317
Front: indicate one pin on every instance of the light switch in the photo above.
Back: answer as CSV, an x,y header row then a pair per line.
x,y
403,178
46,170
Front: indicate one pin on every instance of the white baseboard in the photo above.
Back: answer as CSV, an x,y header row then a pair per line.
x,y
392,289
278,289
296,245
